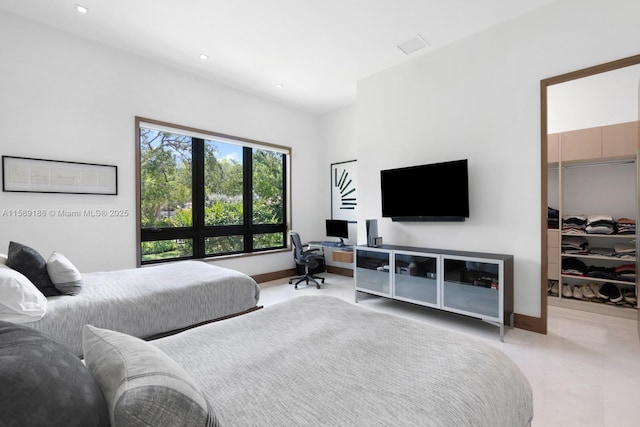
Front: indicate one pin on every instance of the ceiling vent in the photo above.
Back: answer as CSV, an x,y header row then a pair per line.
x,y
413,44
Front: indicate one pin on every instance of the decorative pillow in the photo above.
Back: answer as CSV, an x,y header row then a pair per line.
x,y
20,300
3,258
141,384
30,263
44,384
64,275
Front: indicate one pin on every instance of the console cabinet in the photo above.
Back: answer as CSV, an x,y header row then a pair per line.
x,y
474,284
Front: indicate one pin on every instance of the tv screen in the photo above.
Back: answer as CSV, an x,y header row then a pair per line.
x,y
431,192
337,228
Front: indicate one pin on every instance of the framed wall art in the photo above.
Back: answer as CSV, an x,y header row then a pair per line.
x,y
344,193
23,174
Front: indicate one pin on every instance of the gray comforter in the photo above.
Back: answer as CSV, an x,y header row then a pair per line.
x,y
318,360
148,301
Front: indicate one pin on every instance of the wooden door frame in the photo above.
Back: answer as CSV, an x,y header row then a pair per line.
x,y
541,324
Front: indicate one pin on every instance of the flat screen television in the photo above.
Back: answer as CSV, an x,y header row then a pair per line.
x,y
431,192
338,228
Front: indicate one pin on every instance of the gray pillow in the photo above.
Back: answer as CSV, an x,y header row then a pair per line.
x,y
44,384
63,274
29,262
141,384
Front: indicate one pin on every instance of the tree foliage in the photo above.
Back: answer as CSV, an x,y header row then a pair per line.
x,y
166,199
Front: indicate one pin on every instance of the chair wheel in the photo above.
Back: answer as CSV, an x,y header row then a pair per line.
x,y
322,280
317,286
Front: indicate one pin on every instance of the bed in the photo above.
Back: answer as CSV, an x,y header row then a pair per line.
x,y
149,301
308,361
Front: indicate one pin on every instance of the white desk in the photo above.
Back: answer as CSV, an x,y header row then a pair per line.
x,y
339,259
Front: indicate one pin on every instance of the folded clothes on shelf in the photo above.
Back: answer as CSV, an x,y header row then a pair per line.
x,y
600,224
574,245
626,226
574,266
624,251
574,224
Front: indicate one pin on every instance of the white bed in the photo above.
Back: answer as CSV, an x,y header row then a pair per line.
x,y
149,301
310,361
318,360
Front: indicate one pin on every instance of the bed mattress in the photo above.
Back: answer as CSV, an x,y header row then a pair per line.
x,y
148,301
318,360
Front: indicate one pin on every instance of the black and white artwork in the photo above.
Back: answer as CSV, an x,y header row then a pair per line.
x,y
344,194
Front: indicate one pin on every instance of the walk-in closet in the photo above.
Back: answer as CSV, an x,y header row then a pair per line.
x,y
592,193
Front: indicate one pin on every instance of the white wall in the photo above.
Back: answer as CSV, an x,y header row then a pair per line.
x,y
64,98
338,143
598,100
480,99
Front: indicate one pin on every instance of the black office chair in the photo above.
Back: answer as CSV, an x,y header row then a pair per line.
x,y
308,258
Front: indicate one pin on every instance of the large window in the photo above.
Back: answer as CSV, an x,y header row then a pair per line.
x,y
203,194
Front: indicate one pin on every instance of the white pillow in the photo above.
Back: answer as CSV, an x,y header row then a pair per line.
x,y
20,300
63,274
3,259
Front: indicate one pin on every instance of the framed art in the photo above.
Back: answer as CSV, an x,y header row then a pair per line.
x,y
24,174
344,193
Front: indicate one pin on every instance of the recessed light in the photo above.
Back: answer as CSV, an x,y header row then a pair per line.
x,y
279,86
204,57
81,9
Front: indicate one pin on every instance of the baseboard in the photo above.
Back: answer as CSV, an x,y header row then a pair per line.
x,y
530,323
275,275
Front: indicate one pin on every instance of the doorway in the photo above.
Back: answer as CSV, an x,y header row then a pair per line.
x,y
548,145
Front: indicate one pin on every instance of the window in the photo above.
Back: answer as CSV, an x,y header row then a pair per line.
x,y
203,194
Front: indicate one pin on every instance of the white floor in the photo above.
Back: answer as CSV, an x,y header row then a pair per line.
x,y
585,372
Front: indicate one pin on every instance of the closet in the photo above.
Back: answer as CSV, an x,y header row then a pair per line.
x,y
592,176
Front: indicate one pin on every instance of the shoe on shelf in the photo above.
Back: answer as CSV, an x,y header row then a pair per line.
x,y
566,290
554,289
577,292
595,288
586,291
630,296
615,295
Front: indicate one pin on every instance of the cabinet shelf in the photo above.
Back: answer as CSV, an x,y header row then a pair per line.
x,y
604,236
603,257
597,279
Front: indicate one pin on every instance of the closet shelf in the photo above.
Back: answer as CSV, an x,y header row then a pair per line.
x,y
606,236
609,258
597,279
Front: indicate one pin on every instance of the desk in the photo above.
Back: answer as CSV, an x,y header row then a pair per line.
x,y
338,257
331,244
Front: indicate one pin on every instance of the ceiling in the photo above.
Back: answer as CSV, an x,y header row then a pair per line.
x,y
316,50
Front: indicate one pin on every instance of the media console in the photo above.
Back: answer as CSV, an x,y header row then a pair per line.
x,y
474,284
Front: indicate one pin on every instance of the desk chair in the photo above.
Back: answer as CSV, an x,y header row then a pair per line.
x,y
309,259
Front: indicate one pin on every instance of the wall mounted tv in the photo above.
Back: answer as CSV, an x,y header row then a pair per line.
x,y
431,192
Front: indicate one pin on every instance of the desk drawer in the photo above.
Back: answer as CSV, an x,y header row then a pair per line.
x,y
343,256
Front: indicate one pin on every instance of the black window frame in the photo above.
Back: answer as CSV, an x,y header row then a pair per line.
x,y
199,232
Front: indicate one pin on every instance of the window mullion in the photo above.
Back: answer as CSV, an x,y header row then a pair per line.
x,y
198,197
247,197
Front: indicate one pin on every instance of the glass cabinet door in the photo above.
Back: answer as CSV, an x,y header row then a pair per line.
x,y
416,278
372,271
472,286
